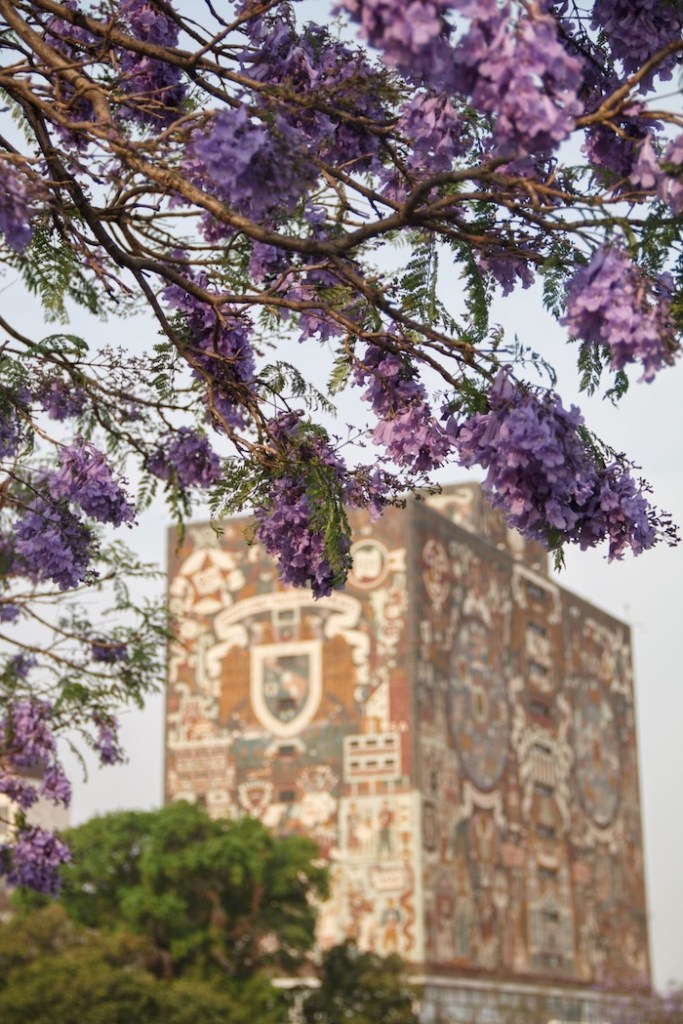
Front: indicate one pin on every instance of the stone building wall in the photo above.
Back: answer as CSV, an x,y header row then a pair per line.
x,y
454,730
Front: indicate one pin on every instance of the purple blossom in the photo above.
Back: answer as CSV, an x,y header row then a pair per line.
x,y
435,135
284,528
219,350
508,271
637,29
435,132
55,786
188,457
613,153
259,171
287,524
25,734
15,208
403,31
10,432
315,64
61,400
14,409
266,261
309,287
414,438
34,860
545,480
20,665
521,74
9,612
51,543
518,71
108,652
406,427
21,792
86,479
612,302
155,87
670,183
106,743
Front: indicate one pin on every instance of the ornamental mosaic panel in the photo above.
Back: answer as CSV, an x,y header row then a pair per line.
x,y
527,764
454,730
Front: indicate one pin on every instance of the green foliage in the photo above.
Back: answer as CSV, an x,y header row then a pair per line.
x,y
52,972
361,988
215,897
477,294
51,271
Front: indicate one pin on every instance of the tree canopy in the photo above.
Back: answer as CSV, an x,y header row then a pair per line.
x,y
220,897
360,988
53,972
170,916
284,195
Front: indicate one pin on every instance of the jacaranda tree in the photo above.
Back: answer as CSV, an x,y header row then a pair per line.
x,y
259,183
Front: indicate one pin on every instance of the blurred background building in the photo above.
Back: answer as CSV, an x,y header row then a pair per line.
x,y
455,730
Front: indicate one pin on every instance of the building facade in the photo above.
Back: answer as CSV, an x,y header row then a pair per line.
x,y
454,729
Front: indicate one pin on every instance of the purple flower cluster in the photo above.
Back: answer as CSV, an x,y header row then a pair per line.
x,y
262,172
543,477
26,738
219,350
615,152
310,286
284,528
15,208
109,652
266,261
508,271
637,29
671,182
188,458
403,31
106,743
155,86
34,859
51,543
313,64
21,792
663,174
412,437
435,135
285,523
27,742
55,786
61,400
85,478
521,74
10,432
612,302
435,132
515,69
9,612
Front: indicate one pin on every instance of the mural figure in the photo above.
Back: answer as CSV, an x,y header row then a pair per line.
x,y
390,920
385,836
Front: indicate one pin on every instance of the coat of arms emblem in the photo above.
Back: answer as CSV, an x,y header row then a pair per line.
x,y
286,685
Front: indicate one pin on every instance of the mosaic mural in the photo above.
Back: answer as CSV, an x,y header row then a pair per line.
x,y
454,730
